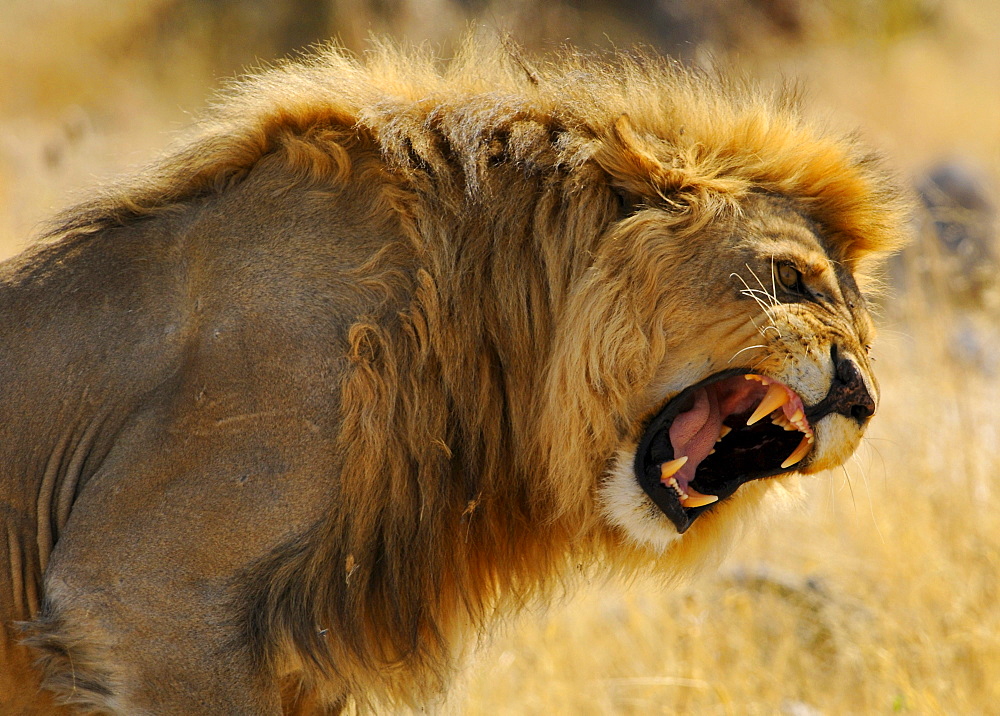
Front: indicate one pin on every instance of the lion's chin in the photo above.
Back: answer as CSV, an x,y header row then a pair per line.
x,y
627,507
633,515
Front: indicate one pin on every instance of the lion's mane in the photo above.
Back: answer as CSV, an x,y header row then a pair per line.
x,y
493,377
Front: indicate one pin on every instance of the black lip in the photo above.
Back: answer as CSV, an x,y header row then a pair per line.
x,y
655,448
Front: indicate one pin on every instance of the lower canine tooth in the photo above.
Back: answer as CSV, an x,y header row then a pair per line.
x,y
798,453
696,499
669,468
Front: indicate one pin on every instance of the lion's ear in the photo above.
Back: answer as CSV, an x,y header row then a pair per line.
x,y
640,177
634,171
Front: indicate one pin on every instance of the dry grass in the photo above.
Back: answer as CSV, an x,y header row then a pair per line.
x,y
878,596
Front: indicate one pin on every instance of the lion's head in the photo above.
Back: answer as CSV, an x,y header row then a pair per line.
x,y
764,368
720,337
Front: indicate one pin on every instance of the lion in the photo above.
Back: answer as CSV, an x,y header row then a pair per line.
x,y
390,348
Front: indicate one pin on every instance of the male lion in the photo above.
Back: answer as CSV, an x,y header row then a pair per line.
x,y
387,350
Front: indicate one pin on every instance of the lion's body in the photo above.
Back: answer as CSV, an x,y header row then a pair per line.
x,y
297,412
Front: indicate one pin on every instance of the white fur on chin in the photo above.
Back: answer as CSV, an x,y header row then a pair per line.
x,y
627,506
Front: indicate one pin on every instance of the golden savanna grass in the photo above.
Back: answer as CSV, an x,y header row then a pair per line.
x,y
879,595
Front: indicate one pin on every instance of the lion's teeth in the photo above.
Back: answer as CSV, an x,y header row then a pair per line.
x,y
670,467
775,397
797,416
696,499
799,452
723,432
781,421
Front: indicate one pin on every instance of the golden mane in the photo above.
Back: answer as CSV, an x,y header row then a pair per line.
x,y
453,118
467,382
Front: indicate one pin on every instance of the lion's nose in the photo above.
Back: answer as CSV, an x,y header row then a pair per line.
x,y
848,394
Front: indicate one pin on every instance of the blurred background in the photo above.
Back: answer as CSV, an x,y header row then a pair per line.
x,y
879,594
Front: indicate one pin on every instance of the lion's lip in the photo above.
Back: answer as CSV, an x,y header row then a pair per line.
x,y
716,435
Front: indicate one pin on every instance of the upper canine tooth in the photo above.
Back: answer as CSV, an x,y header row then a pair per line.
x,y
775,397
724,431
798,453
670,467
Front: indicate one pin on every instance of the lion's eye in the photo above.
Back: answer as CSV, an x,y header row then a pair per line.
x,y
790,278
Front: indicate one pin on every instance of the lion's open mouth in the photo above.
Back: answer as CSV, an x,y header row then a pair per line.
x,y
717,435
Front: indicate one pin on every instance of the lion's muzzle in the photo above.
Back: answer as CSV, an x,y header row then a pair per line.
x,y
848,396
734,427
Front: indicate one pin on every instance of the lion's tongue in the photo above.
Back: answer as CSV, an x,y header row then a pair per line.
x,y
694,432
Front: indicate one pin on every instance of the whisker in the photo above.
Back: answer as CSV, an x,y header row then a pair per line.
x,y
748,348
871,504
757,327
770,319
850,487
774,288
752,293
763,331
767,307
772,296
748,291
869,445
